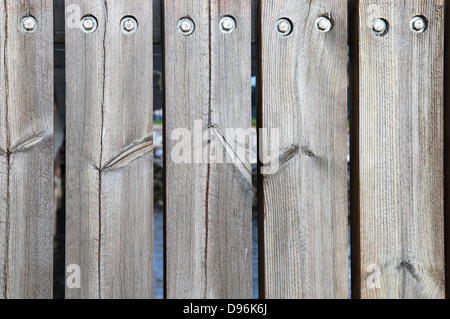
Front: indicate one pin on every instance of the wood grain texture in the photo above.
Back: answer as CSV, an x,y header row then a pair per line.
x,y
208,205
400,157
110,152
304,96
447,152
230,185
26,151
157,22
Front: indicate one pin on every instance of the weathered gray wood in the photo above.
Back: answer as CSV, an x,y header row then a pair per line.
x,y
59,36
304,201
447,153
230,185
109,152
208,206
400,157
186,66
26,151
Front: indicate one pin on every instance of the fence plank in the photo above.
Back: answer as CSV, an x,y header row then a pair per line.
x,y
400,156
26,151
447,153
303,94
109,152
157,34
230,185
207,85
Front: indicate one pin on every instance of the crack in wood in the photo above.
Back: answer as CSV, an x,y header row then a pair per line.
x,y
208,169
408,265
130,154
235,152
102,127
30,143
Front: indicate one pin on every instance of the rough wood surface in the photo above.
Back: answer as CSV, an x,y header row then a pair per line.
x,y
208,206
400,156
304,95
109,152
447,153
26,151
157,21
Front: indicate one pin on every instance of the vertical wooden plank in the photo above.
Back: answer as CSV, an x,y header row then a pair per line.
x,y
26,151
400,158
109,152
229,240
447,153
4,159
186,81
208,204
304,96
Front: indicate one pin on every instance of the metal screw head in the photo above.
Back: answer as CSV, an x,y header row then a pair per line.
x,y
28,24
324,24
186,26
284,26
89,24
128,25
379,27
418,24
227,24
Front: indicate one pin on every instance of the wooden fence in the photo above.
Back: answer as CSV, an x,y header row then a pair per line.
x,y
399,147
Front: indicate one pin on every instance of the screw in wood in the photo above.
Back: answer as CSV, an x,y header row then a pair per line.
x,y
128,25
418,24
284,26
89,24
227,24
186,26
28,24
324,24
379,27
